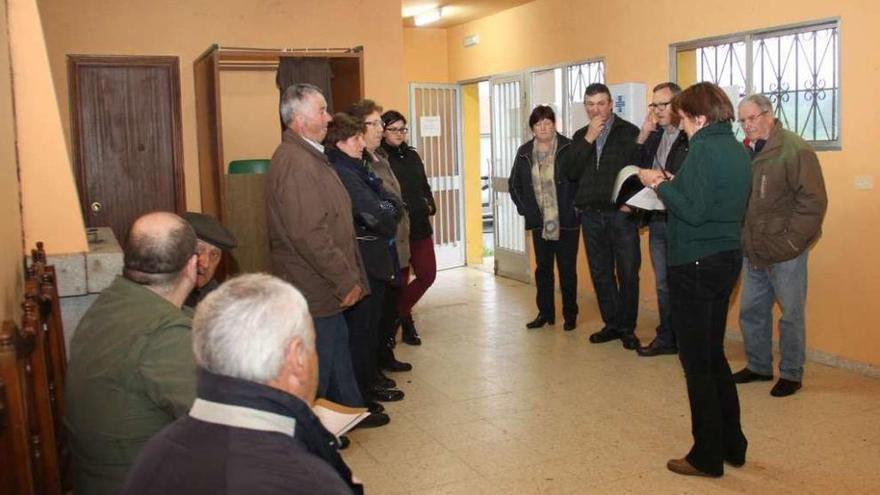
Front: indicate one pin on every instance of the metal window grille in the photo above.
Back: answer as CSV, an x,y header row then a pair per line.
x,y
797,68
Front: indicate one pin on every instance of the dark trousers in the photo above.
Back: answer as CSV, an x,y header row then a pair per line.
x,y
388,323
614,256
700,295
423,266
363,325
564,251
336,380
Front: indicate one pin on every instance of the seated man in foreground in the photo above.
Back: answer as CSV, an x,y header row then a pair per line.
x,y
251,429
132,370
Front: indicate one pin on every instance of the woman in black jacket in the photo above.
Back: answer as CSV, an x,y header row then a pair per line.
x,y
410,171
545,198
376,213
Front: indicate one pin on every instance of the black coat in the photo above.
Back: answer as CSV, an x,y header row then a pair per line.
x,y
376,212
522,189
410,172
197,457
677,153
596,180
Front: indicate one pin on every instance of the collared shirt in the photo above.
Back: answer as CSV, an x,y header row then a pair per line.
x,y
603,136
670,134
318,146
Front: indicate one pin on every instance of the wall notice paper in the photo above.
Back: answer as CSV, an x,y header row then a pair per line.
x,y
429,126
338,419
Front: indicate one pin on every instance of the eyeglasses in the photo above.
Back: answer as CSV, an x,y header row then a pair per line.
x,y
660,106
397,130
374,123
749,120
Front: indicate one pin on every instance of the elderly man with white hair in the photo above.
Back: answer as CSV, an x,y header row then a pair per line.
x,y
251,428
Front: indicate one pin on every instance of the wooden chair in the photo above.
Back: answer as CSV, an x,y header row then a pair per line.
x,y
33,451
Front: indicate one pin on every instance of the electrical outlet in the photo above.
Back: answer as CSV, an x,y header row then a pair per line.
x,y
864,182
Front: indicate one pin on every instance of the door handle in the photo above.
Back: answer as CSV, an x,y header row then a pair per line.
x,y
96,207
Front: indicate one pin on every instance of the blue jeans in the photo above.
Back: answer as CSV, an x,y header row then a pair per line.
x,y
336,379
657,243
614,255
785,282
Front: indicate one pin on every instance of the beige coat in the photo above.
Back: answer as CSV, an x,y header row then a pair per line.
x,y
311,229
382,169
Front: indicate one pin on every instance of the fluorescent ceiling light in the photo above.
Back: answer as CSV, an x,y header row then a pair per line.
x,y
428,17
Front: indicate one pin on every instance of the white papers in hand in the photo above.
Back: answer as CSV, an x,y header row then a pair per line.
x,y
338,419
646,199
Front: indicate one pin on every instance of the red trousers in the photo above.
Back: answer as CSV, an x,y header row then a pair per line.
x,y
423,266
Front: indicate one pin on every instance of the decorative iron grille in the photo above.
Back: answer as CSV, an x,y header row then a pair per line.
x,y
798,69
582,75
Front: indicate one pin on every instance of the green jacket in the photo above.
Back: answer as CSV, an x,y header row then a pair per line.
x,y
131,372
706,201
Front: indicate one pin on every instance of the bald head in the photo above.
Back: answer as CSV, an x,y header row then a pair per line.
x,y
158,247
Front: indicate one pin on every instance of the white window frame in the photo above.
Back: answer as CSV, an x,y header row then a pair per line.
x,y
750,38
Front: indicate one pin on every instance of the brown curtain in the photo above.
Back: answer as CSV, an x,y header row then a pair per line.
x,y
312,70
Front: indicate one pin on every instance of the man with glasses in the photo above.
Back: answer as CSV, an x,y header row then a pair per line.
x,y
783,218
213,239
662,147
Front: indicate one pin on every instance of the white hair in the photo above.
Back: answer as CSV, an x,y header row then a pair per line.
x,y
244,328
759,100
293,100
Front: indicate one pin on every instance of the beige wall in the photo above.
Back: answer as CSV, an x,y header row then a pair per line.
x,y
425,56
187,28
11,248
634,38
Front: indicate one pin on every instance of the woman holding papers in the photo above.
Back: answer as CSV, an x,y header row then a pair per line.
x,y
705,203
545,198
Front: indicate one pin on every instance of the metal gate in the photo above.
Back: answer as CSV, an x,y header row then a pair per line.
x,y
435,123
509,113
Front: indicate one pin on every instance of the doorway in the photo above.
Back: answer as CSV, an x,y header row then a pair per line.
x,y
126,133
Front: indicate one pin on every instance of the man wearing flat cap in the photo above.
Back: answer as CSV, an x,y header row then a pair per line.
x,y
213,239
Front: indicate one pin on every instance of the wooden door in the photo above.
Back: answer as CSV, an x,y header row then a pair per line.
x,y
126,133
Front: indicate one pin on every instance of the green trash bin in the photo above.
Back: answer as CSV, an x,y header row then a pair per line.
x,y
254,166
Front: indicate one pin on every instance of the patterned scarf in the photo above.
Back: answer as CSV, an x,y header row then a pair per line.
x,y
544,183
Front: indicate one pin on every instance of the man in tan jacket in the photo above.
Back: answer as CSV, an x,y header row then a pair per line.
x,y
312,239
783,219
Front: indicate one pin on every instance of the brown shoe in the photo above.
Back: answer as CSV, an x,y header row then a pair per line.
x,y
683,467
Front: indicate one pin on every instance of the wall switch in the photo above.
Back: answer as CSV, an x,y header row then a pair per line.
x,y
864,182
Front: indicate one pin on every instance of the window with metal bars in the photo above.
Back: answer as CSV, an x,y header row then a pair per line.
x,y
796,67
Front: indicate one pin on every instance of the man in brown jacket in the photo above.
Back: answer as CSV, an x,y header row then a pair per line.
x,y
783,218
311,236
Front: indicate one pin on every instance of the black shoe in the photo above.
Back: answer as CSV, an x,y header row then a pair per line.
x,y
784,388
630,341
344,442
656,349
410,334
387,395
570,324
604,335
391,342
540,321
375,407
746,375
383,381
394,365
374,420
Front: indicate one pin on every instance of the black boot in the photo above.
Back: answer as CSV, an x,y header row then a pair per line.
x,y
410,334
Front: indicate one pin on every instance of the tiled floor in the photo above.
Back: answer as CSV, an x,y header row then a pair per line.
x,y
493,408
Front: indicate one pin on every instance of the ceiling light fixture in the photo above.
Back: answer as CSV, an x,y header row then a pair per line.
x,y
428,17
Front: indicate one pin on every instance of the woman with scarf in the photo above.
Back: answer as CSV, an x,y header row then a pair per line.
x,y
545,198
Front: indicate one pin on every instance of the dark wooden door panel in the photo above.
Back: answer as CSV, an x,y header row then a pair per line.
x,y
127,136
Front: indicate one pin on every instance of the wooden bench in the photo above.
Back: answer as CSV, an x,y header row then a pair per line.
x,y
33,451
